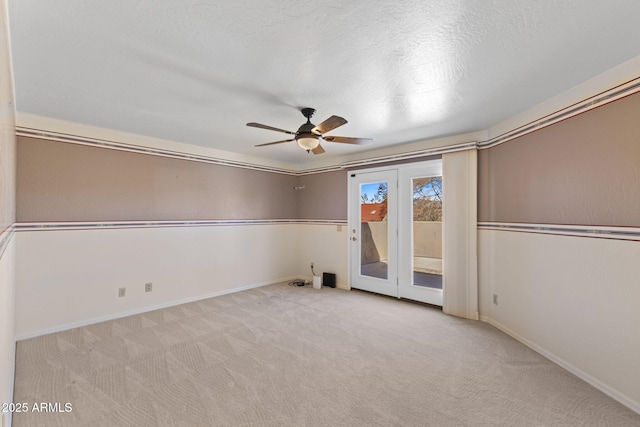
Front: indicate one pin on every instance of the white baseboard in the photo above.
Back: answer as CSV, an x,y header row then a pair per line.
x,y
68,326
614,394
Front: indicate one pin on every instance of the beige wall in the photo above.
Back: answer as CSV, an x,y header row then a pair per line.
x,y
68,182
584,170
324,196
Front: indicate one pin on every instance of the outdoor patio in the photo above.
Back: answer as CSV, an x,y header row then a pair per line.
x,y
426,271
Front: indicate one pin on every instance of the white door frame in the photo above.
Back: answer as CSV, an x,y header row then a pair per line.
x,y
400,216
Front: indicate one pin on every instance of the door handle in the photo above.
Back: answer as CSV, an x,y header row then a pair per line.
x,y
354,238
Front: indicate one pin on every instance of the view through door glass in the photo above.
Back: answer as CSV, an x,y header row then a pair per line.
x,y
427,232
374,230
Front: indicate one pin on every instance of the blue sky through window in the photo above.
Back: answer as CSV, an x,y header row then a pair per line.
x,y
370,190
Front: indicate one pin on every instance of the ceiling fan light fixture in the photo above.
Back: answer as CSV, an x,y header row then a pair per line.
x,y
309,136
308,142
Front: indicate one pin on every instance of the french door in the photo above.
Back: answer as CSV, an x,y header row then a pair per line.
x,y
420,232
373,231
395,231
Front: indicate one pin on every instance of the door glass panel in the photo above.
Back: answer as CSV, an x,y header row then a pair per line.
x,y
427,232
374,230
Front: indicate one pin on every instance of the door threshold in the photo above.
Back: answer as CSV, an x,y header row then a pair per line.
x,y
412,301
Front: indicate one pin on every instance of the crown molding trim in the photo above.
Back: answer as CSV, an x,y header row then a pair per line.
x,y
621,91
410,155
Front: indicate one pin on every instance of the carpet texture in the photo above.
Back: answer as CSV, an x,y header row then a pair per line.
x,y
284,356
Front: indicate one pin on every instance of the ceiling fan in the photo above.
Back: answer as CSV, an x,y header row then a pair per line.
x,y
308,136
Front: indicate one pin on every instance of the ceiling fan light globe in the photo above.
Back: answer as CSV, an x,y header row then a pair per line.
x,y
308,142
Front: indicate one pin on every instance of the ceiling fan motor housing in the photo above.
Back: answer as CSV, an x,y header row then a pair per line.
x,y
308,112
307,129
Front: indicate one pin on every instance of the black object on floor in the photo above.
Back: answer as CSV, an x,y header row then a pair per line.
x,y
329,279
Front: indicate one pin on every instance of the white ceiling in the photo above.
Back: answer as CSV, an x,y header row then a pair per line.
x,y
196,71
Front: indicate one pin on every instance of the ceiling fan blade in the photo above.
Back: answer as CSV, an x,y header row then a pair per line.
x,y
276,142
258,125
329,124
318,150
347,140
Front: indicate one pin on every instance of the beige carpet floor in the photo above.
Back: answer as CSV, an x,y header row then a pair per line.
x,y
284,356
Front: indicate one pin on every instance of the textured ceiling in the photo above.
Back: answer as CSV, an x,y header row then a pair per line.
x,y
195,71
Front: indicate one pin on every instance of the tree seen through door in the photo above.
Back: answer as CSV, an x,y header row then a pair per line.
x,y
427,231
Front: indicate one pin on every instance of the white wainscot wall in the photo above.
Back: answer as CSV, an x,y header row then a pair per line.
x,y
573,299
69,278
326,246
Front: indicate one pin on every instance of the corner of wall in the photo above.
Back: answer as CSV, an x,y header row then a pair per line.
x,y
7,215
7,321
562,293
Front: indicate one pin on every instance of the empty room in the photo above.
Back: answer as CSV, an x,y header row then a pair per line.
x,y
410,213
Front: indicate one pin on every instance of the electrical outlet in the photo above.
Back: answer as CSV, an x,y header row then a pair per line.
x,y
148,287
495,299
121,292
339,227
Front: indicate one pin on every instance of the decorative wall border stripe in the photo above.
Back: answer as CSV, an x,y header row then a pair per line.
x,y
595,101
5,238
591,231
101,225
